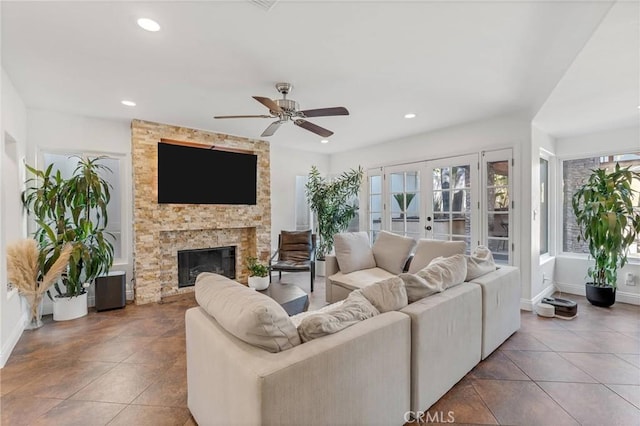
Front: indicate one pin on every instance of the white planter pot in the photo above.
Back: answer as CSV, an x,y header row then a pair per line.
x,y
68,308
259,283
320,268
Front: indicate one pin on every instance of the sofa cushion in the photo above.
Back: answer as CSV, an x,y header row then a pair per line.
x,y
360,279
480,263
427,250
250,316
353,252
391,251
352,310
440,274
386,295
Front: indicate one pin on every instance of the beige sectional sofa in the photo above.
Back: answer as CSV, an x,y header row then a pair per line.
x,y
246,363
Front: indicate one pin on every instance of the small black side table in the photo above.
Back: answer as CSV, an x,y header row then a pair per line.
x,y
111,291
292,298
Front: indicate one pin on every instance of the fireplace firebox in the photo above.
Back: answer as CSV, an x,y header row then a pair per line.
x,y
219,260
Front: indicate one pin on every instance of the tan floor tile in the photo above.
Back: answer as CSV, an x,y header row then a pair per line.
x,y
79,413
592,404
122,384
116,349
16,411
497,366
632,359
611,341
521,403
564,341
169,391
461,404
605,368
629,392
523,341
140,415
548,366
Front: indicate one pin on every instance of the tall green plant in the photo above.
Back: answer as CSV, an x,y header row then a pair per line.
x,y
72,211
330,200
608,223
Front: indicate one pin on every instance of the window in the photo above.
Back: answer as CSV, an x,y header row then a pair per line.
x,y
574,174
544,206
66,163
498,203
303,212
404,200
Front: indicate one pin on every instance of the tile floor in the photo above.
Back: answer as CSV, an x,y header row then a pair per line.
x,y
127,367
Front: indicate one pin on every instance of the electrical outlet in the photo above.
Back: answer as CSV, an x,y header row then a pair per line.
x,y
631,279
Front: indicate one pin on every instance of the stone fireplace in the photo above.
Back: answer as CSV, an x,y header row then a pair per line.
x,y
161,231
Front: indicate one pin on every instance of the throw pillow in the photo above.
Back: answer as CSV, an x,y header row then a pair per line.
x,y
354,309
440,274
250,316
353,252
427,250
479,263
387,295
391,251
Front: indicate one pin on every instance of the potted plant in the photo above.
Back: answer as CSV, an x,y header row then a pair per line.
x,y
604,211
73,211
258,274
32,271
331,200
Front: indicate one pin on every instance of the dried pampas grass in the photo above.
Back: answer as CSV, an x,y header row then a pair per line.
x,y
23,270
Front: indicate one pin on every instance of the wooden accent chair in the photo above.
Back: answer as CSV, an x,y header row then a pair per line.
x,y
296,253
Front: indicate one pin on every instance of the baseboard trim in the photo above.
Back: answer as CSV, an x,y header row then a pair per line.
x,y
527,305
12,341
621,296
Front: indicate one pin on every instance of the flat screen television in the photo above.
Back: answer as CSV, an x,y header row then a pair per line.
x,y
188,175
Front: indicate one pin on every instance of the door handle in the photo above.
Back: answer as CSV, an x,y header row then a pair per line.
x,y
428,228
428,218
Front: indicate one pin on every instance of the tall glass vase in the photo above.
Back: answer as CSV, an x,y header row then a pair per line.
x,y
34,311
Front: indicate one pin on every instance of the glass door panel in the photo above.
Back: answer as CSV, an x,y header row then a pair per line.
x,y
450,211
497,235
375,203
404,201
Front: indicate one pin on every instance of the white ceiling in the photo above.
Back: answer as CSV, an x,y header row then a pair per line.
x,y
448,62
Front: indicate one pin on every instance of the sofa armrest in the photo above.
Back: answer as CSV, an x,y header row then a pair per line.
x,y
343,378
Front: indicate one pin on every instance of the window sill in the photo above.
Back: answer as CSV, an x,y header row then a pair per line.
x,y
630,260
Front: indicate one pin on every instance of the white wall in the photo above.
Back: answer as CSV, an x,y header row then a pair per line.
x,y
571,269
13,134
509,131
62,133
286,164
542,268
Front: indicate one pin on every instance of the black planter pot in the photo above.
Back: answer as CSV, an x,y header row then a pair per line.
x,y
600,296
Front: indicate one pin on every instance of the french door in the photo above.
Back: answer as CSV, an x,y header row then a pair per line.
x,y
451,210
403,200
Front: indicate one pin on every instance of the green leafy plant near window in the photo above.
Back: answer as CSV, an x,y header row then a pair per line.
x,y
256,269
74,211
331,202
608,222
404,200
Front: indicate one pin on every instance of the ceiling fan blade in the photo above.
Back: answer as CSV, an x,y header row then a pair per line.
x,y
268,103
269,131
325,112
313,128
244,116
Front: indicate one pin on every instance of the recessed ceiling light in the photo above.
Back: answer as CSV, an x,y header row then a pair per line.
x,y
324,141
128,103
410,115
148,24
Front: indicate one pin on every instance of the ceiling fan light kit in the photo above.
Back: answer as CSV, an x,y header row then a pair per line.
x,y
285,110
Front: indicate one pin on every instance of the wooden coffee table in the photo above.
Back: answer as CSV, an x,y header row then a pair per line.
x,y
291,297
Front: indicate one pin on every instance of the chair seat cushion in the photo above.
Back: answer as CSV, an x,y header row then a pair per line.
x,y
359,279
293,265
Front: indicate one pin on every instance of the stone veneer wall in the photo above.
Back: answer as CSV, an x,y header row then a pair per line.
x,y
160,230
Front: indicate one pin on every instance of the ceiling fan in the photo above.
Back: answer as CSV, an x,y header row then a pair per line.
x,y
285,110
